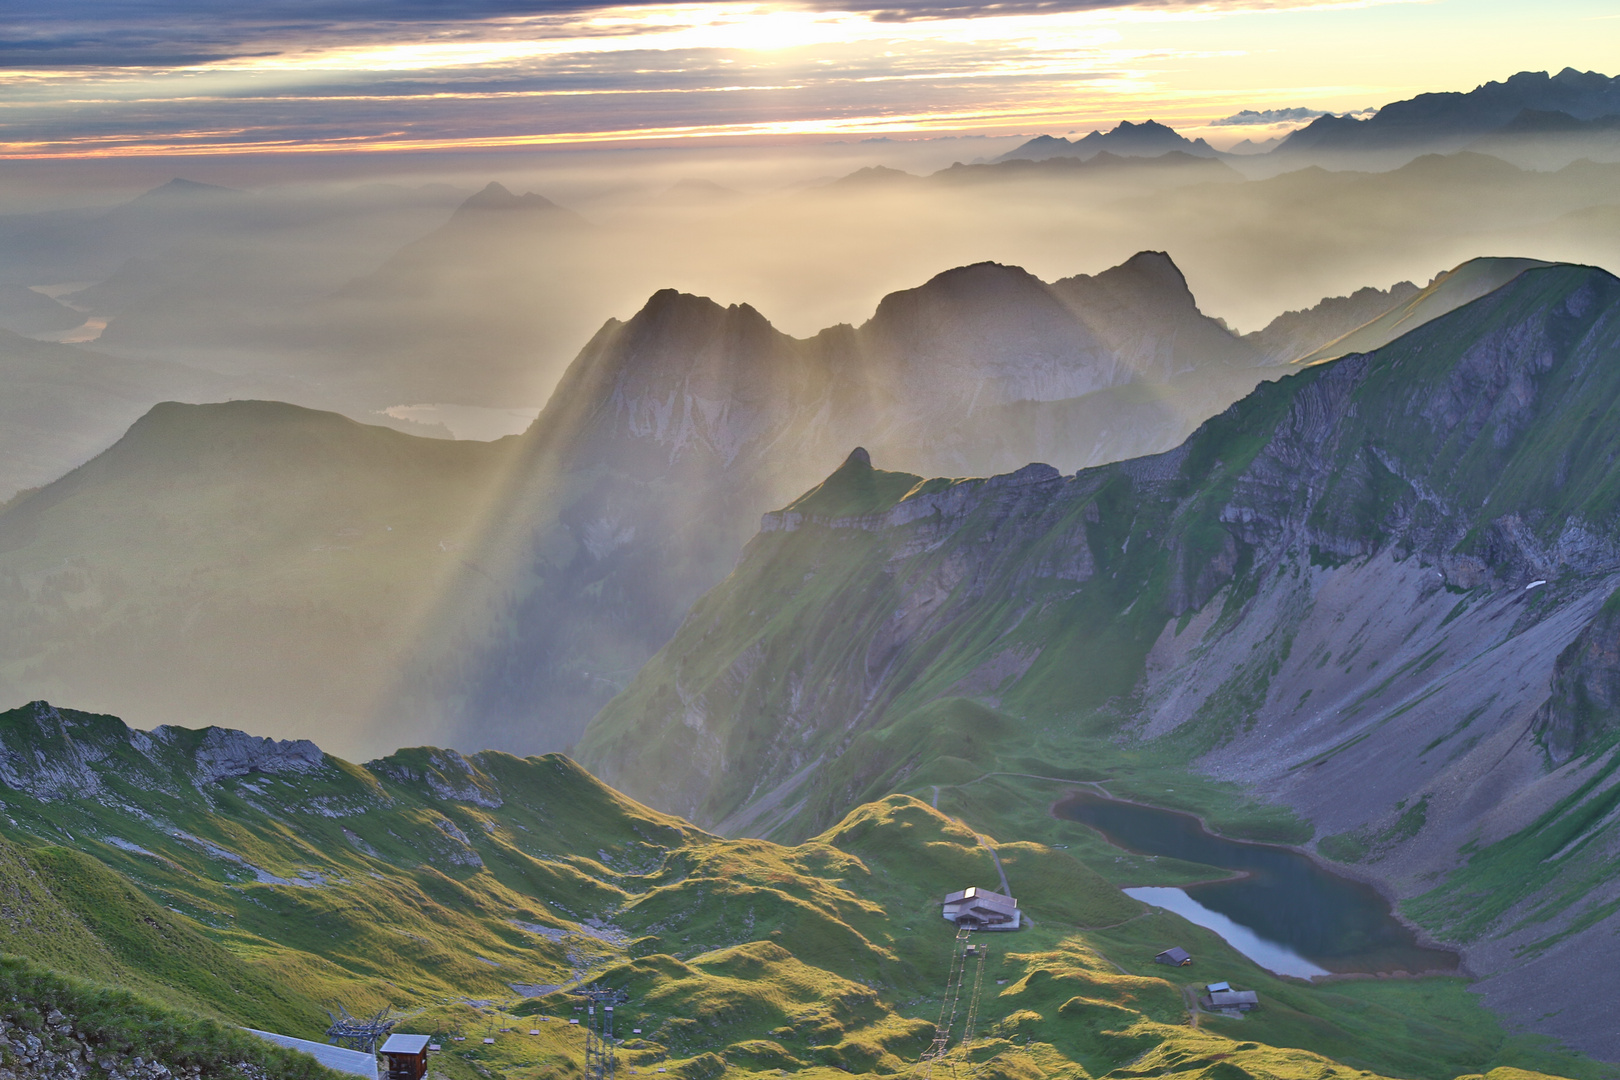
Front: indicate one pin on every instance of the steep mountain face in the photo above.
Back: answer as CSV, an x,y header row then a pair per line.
x,y
1373,592
442,885
1447,292
631,494
1147,139
672,432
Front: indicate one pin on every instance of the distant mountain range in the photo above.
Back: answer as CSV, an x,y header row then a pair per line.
x,y
363,299
1380,592
1520,111
1147,139
1528,101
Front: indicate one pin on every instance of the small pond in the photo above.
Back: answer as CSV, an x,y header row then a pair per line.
x,y
1285,912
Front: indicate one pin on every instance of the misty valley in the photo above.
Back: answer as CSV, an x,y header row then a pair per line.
x,y
985,607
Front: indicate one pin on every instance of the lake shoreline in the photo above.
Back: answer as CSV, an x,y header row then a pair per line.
x,y
1421,938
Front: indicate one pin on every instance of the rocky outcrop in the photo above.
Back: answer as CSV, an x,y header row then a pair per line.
x,y
224,753
447,774
59,1049
1582,714
53,754
52,759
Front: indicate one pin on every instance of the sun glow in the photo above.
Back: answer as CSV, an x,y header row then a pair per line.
x,y
730,69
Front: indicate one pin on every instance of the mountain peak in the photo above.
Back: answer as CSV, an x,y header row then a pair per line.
x,y
854,489
1127,139
671,306
1146,127
181,188
1156,267
496,196
1149,278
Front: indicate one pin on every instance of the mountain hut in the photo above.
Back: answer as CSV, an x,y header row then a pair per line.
x,y
1175,956
407,1056
981,909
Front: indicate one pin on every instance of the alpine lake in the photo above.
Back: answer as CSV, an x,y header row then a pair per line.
x,y
1275,905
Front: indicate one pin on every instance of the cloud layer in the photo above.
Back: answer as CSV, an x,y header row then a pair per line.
x,y
140,77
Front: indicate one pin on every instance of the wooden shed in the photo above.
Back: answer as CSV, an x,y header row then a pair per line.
x,y
1175,956
407,1056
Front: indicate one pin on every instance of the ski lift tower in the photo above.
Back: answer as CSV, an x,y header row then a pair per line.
x,y
600,1060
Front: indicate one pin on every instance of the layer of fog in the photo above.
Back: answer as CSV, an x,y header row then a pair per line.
x,y
371,296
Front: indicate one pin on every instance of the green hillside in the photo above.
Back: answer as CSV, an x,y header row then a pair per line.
x,y
470,893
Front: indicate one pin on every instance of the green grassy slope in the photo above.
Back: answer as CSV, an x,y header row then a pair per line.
x,y
73,914
441,885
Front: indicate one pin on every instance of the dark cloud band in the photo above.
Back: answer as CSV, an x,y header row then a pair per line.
x,y
179,33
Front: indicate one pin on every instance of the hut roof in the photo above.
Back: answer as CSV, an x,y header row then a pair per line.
x,y
338,1058
406,1044
1228,998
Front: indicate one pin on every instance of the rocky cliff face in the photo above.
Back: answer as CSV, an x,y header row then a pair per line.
x,y
1375,585
1299,333
61,1049
49,754
1582,714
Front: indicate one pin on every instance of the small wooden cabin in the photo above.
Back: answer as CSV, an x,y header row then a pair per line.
x,y
1175,956
407,1056
1230,1001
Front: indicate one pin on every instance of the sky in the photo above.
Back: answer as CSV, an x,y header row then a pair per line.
x,y
90,79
